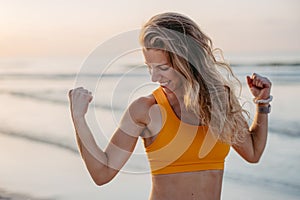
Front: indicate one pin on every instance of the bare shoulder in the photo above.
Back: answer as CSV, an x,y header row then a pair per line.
x,y
145,101
139,109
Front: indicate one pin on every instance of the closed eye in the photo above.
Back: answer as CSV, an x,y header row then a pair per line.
x,y
164,67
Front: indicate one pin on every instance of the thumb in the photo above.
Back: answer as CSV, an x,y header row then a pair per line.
x,y
90,96
249,82
70,93
90,99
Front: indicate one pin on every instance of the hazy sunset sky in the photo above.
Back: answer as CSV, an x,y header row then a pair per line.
x,y
70,28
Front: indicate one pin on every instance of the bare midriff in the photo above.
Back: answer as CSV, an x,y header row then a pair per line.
x,y
200,185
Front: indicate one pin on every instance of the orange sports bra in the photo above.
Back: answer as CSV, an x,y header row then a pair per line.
x,y
177,145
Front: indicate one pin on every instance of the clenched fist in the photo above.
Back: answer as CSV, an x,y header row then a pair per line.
x,y
259,86
79,101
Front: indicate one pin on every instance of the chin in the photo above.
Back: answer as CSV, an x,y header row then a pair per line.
x,y
168,89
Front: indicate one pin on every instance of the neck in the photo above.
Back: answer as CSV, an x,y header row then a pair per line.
x,y
177,93
175,98
177,104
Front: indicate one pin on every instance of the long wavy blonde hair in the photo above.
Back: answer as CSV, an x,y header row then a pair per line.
x,y
211,88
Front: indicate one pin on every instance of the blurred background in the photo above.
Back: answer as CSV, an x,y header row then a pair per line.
x,y
48,47
45,28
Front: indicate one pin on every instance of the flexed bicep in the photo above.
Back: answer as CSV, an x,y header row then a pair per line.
x,y
124,139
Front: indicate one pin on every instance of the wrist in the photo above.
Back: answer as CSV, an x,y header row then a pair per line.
x,y
263,104
263,108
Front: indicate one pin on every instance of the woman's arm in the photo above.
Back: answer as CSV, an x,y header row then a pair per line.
x,y
104,165
253,146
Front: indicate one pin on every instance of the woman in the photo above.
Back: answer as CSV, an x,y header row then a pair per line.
x,y
187,124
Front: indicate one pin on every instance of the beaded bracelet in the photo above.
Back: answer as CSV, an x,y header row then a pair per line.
x,y
257,101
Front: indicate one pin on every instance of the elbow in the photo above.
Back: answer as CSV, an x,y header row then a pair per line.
x,y
253,160
101,181
102,178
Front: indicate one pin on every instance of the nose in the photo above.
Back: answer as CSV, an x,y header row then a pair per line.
x,y
155,75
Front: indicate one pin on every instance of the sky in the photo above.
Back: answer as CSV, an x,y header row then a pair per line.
x,y
74,28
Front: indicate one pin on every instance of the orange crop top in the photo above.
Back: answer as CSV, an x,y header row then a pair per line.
x,y
177,145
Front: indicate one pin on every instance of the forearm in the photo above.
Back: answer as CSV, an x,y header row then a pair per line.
x,y
95,159
259,132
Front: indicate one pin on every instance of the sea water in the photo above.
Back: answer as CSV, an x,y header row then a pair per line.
x,y
34,106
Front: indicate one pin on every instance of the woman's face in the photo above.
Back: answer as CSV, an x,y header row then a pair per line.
x,y
161,70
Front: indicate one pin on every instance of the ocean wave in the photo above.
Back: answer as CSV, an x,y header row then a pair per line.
x,y
35,138
34,96
277,126
59,76
285,127
288,75
267,64
38,96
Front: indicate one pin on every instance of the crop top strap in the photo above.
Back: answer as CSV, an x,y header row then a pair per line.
x,y
162,100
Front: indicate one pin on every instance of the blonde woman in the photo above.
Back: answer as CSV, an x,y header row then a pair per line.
x,y
188,124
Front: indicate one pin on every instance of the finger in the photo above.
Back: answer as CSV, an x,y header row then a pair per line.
x,y
261,82
90,99
85,91
254,81
266,83
256,75
78,89
249,81
87,96
257,80
253,77
82,90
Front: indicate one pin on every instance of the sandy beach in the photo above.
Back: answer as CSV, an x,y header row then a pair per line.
x,y
4,195
37,171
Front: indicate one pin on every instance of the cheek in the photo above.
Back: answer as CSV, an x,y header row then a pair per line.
x,y
177,76
170,75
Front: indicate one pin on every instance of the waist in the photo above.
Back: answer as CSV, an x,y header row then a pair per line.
x,y
188,185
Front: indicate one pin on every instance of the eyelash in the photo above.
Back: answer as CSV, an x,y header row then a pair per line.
x,y
161,68
164,69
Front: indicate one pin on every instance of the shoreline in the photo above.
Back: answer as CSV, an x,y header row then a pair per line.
x,y
37,171
6,195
